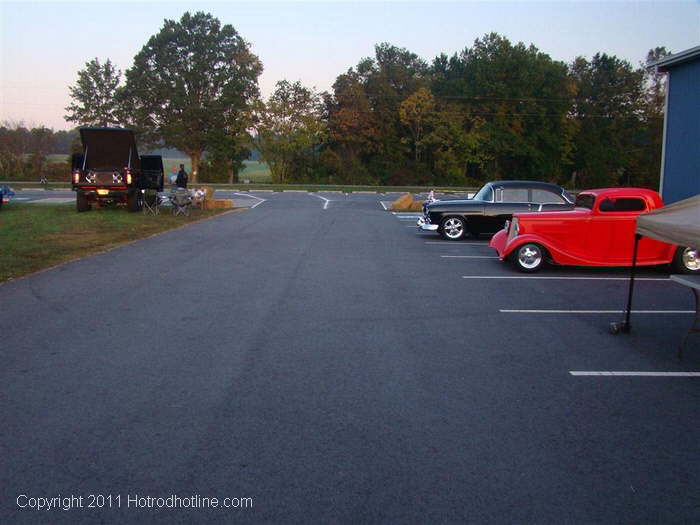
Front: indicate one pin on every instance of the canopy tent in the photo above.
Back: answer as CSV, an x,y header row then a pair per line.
x,y
677,223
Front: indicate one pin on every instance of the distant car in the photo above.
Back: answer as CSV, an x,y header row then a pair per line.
x,y
491,206
599,231
5,193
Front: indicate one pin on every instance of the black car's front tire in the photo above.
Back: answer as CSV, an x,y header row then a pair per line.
x,y
453,228
686,260
528,258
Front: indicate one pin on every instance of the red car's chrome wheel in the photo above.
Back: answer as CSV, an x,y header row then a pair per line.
x,y
687,260
528,257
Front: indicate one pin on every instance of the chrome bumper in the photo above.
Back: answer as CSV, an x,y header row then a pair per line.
x,y
426,226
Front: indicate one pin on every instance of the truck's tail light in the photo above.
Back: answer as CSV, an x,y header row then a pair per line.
x,y
128,176
76,177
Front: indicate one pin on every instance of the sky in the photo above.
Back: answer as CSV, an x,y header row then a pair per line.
x,y
43,45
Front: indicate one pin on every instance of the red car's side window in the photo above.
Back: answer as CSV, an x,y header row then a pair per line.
x,y
585,201
622,205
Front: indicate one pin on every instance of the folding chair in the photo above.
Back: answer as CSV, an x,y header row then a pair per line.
x,y
151,203
181,200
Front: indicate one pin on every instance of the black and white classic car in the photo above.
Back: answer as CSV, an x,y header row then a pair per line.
x,y
491,206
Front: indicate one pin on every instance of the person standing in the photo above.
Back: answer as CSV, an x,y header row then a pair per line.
x,y
181,181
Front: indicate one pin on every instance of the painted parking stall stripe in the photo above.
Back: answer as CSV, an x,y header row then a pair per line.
x,y
259,199
563,278
633,374
457,244
325,201
577,312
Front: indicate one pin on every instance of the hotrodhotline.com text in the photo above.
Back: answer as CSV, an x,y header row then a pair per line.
x,y
129,501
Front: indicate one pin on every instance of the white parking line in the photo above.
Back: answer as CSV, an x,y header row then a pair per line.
x,y
596,311
542,277
468,257
53,200
637,374
383,204
457,244
260,199
325,201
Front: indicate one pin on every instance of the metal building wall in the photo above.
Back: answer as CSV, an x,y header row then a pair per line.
x,y
681,165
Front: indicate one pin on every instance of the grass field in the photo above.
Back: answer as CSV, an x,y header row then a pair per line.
x,y
38,236
56,158
256,172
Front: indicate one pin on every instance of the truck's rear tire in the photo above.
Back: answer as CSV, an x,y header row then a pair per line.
x,y
133,201
81,201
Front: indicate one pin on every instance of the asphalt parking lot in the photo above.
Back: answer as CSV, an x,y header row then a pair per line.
x,y
320,355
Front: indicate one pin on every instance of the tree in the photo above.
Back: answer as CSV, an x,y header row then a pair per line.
x,y
364,118
193,79
416,113
455,143
609,110
288,127
646,166
42,142
23,151
226,152
522,98
353,132
95,95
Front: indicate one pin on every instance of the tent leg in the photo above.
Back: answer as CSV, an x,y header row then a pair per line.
x,y
625,325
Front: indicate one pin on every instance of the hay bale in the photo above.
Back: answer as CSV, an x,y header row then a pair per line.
x,y
402,203
219,204
416,206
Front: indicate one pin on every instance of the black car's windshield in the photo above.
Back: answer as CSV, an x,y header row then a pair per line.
x,y
484,194
585,200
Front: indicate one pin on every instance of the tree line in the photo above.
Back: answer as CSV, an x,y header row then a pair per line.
x,y
494,110
24,151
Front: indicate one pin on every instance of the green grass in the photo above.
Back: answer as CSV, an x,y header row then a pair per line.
x,y
56,158
38,236
256,172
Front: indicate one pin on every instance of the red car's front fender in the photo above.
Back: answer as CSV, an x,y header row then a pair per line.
x,y
519,240
498,242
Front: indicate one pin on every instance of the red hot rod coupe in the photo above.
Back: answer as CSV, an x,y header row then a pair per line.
x,y
599,231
